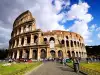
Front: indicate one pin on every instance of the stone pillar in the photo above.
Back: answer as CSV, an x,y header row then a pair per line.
x,y
39,38
15,43
25,41
39,52
17,32
23,54
56,52
13,55
22,29
32,39
19,41
33,26
17,54
48,52
30,53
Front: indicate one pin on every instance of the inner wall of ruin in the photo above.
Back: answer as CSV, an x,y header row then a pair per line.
x,y
28,42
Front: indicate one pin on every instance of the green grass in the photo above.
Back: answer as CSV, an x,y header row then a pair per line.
x,y
89,68
93,66
18,68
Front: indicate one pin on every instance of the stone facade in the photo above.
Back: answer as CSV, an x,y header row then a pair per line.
x,y
28,42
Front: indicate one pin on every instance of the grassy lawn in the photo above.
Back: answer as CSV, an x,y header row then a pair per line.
x,y
18,68
93,66
89,68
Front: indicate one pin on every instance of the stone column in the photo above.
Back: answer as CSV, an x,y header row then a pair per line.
x,y
30,53
22,29
25,41
48,52
56,52
19,41
32,39
39,38
17,31
13,55
15,43
23,53
17,54
39,52
64,53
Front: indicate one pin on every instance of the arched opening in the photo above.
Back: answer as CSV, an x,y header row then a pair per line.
x,y
27,54
43,54
66,37
71,43
69,55
22,41
52,52
62,42
82,54
20,30
67,43
73,54
75,43
34,54
35,39
28,39
77,54
78,44
45,40
15,54
17,42
52,39
60,54
20,55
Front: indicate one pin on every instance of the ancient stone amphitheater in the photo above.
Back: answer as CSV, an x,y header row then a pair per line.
x,y
28,42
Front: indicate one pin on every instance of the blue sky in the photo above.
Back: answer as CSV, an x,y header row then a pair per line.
x,y
69,15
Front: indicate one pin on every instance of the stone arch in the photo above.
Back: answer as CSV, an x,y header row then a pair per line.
x,y
43,54
77,54
20,54
45,40
73,54
71,43
22,41
53,54
28,39
69,54
67,37
62,42
27,54
67,43
34,56
75,43
35,39
52,39
15,54
60,54
78,44
17,42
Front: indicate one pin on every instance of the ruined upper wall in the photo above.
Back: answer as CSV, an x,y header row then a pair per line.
x,y
61,33
22,18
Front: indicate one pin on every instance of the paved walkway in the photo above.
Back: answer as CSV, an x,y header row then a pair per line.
x,y
53,68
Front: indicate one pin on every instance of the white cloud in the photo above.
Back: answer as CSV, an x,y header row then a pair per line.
x,y
79,14
93,27
99,35
98,29
46,15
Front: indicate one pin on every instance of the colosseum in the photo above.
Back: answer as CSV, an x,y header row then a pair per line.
x,y
31,43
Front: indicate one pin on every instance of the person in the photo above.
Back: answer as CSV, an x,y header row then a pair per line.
x,y
76,64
